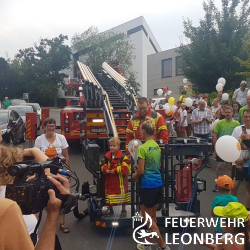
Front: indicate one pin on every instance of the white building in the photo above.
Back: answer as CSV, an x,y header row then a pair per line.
x,y
145,44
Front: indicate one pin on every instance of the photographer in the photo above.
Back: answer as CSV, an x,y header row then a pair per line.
x,y
13,232
8,157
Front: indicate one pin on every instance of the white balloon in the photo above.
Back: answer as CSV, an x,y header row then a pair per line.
x,y
212,126
169,92
219,87
167,109
248,92
173,108
225,96
222,81
228,148
159,92
185,80
189,102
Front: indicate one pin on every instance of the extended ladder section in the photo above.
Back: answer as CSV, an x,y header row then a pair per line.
x,y
96,97
123,102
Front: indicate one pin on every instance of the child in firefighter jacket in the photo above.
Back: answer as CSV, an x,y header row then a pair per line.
x,y
116,170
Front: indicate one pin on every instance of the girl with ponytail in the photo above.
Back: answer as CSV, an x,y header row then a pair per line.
x,y
151,183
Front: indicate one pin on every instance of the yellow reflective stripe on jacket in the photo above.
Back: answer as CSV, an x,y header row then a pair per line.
x,y
129,131
162,127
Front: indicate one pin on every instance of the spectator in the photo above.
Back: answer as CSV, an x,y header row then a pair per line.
x,y
6,103
201,118
13,231
215,108
221,113
242,110
198,97
206,98
176,116
242,164
9,156
189,126
182,125
219,97
52,145
233,210
194,105
236,108
225,184
240,94
224,127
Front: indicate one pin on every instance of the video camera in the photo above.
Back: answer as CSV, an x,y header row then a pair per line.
x,y
32,196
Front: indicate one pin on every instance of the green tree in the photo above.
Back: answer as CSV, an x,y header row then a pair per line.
x,y
4,75
211,47
41,68
108,46
133,83
244,64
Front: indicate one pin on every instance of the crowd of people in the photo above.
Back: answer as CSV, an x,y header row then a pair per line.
x,y
149,126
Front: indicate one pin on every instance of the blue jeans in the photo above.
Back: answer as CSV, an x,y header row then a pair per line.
x,y
206,136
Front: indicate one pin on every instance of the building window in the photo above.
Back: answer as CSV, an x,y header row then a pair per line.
x,y
137,29
167,68
178,66
155,91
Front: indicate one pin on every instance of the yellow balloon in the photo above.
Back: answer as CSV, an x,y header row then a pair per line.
x,y
171,100
182,98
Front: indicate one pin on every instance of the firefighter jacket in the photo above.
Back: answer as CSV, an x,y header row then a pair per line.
x,y
116,185
133,130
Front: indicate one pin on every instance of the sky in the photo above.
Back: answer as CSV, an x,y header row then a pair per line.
x,y
24,22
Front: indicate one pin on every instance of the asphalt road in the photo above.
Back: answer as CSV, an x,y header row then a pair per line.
x,y
87,236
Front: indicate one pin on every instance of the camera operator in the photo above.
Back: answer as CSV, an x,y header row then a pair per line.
x,y
13,232
8,157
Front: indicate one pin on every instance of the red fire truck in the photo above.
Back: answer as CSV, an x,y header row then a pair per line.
x,y
105,99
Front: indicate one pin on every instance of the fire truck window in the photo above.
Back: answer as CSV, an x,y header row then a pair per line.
x,y
78,116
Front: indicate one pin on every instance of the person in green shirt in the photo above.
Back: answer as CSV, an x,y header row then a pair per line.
x,y
224,127
242,110
6,102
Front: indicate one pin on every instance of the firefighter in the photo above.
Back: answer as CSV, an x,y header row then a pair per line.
x,y
133,130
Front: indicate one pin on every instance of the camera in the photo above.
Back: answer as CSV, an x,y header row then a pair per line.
x,y
32,197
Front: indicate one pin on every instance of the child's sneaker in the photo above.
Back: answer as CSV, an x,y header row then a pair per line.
x,y
123,214
142,247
